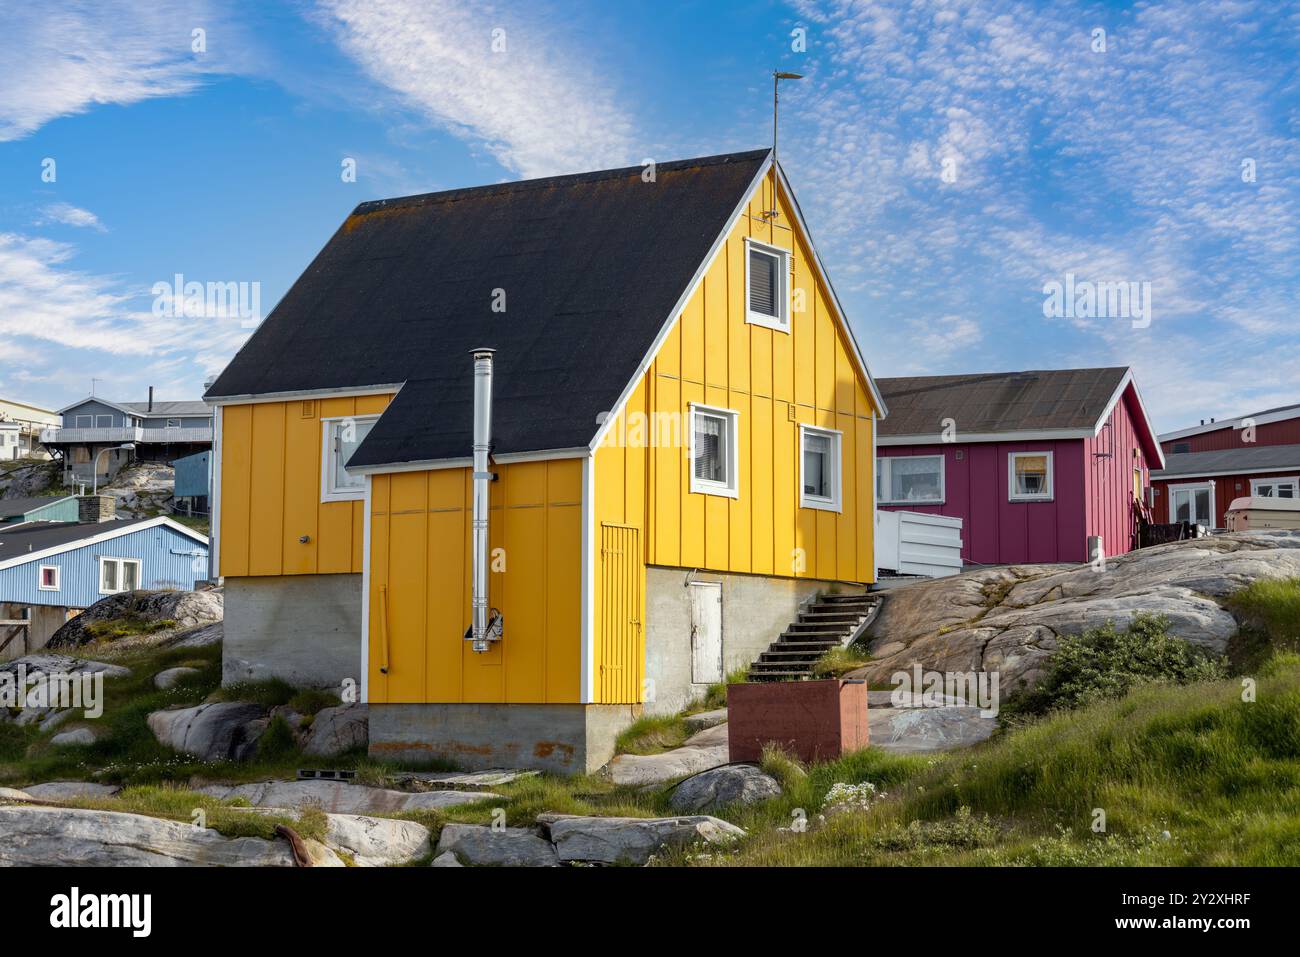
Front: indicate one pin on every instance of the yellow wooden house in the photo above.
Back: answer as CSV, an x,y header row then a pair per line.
x,y
520,462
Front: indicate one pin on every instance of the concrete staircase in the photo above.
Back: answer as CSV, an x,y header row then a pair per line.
x,y
829,621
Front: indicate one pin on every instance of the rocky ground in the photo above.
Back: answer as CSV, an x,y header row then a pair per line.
x,y
142,490
1008,619
688,804
27,477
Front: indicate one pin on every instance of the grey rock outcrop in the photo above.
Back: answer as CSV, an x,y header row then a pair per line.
x,y
167,679
37,835
336,730
497,847
224,731
74,737
185,609
631,840
70,790
1009,620
704,750
340,797
741,784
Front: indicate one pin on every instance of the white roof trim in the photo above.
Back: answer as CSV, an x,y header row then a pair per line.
x,y
433,465
675,313
95,398
126,529
1281,415
876,397
1028,435
1124,383
342,392
1187,476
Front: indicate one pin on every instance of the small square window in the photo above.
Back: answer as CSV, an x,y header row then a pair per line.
x,y
819,480
767,285
713,451
1030,476
103,421
49,578
342,437
173,423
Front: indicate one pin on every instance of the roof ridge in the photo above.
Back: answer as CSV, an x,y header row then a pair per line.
x,y
550,182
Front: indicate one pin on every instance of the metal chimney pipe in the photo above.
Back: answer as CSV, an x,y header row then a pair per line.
x,y
482,628
150,409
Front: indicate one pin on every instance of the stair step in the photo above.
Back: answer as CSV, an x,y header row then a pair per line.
x,y
821,646
844,599
775,675
790,655
831,616
827,634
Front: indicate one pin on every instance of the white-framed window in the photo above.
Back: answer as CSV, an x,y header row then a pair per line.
x,y
103,421
1192,503
767,285
714,445
1276,487
819,468
47,578
1029,477
118,575
341,437
173,423
909,479
83,421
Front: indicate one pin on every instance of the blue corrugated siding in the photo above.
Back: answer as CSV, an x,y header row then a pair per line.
x,y
160,567
191,476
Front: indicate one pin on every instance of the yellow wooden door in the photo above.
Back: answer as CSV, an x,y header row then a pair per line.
x,y
622,598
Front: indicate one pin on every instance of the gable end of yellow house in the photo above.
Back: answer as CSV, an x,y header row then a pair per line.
x,y
622,434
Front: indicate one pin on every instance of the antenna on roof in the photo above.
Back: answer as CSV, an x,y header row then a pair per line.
x,y
777,77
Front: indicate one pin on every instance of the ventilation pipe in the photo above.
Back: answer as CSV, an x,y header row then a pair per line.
x,y
485,623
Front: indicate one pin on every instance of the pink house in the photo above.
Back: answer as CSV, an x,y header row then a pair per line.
x,y
1036,464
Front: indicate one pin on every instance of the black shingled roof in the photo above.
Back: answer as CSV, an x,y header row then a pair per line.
x,y
1253,458
1028,401
31,537
591,265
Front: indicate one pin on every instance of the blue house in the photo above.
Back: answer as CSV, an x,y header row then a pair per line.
x,y
50,571
193,477
98,435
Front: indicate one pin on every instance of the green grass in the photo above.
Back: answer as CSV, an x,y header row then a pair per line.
x,y
126,751
840,661
1221,775
1269,610
652,734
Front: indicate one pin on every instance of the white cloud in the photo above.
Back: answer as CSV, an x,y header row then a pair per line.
x,y
60,326
70,215
1124,165
66,59
535,107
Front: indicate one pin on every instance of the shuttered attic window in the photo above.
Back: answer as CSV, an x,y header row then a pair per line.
x,y
767,285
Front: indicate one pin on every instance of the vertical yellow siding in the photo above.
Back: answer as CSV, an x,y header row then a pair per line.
x,y
419,586
774,381
270,490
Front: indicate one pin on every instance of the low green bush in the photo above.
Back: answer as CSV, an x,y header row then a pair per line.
x,y
1106,662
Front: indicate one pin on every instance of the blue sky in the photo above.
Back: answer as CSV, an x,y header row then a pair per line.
x,y
951,158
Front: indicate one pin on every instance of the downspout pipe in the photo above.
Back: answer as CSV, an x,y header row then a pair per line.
x,y
485,624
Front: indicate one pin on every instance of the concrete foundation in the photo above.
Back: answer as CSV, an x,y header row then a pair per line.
x,y
755,610
305,629
560,738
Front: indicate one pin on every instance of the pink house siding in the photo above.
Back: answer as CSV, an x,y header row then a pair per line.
x,y
996,531
1112,454
1285,432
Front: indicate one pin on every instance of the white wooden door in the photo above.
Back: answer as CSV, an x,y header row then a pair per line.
x,y
706,632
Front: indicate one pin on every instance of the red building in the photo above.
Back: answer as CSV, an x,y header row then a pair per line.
x,y
1034,463
1209,465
